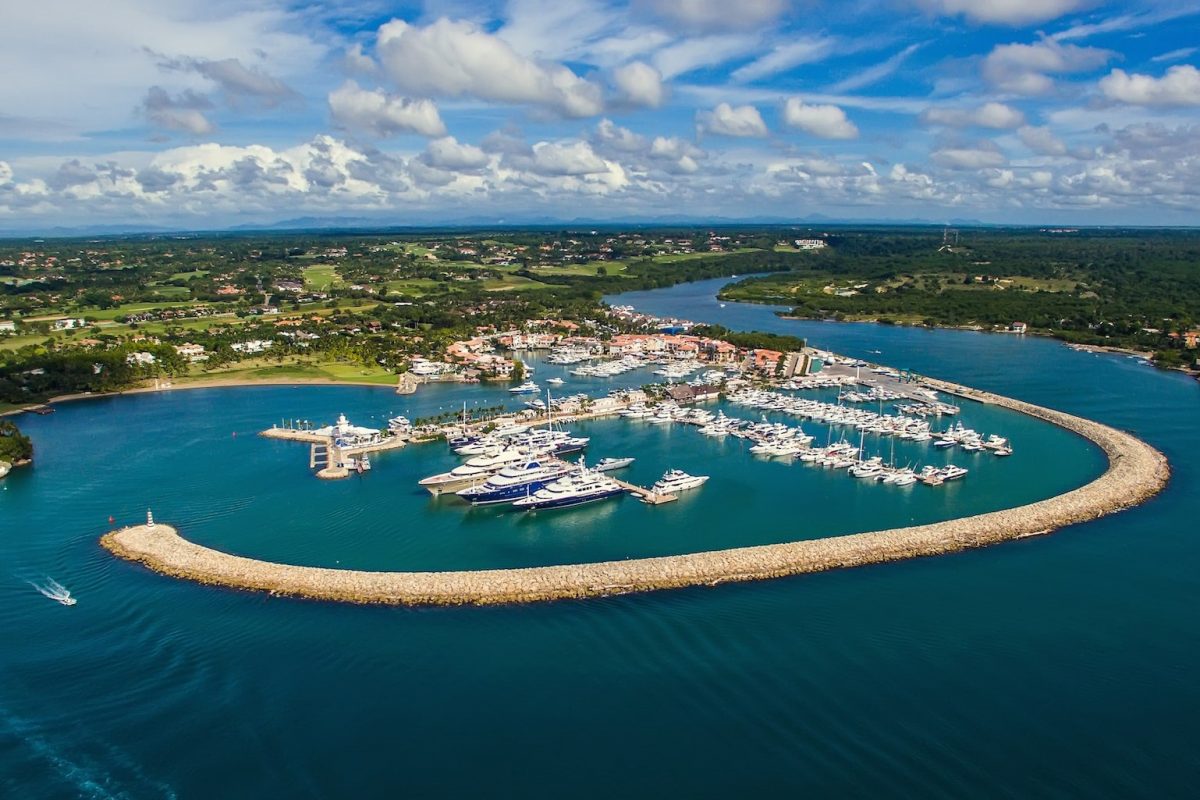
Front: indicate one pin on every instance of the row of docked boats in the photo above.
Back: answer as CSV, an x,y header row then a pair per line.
x,y
609,369
972,441
553,483
777,440
570,354
927,408
494,453
900,426
835,414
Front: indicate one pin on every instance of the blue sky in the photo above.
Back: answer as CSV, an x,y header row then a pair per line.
x,y
209,113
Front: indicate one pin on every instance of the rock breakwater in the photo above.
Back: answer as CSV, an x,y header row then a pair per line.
x,y
1136,472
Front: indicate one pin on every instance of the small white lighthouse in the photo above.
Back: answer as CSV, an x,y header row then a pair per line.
x,y
149,519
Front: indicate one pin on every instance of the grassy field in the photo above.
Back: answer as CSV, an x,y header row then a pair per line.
x,y
590,269
509,282
412,286
131,308
321,277
183,276
296,368
675,258
17,342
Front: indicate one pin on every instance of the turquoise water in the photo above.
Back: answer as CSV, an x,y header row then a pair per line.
x,y
1058,666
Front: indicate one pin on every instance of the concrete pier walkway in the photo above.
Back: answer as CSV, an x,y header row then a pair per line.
x,y
1136,472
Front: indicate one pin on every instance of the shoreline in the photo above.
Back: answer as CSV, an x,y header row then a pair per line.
x,y
1136,472
1091,348
215,383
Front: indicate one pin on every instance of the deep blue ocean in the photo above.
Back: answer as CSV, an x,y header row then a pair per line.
x,y
1060,666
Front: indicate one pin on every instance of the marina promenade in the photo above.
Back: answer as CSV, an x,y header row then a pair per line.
x,y
1135,472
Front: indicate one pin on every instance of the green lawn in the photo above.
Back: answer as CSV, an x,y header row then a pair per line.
x,y
183,276
674,258
296,369
412,286
509,282
321,277
590,269
131,308
10,342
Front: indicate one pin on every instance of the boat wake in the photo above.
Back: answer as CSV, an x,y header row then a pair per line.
x,y
55,591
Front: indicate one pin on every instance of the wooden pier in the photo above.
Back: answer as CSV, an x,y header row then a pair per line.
x,y
647,496
325,456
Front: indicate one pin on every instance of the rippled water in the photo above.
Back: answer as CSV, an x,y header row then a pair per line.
x,y
1057,666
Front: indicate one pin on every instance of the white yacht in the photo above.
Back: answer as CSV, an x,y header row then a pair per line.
x,y
951,472
579,487
867,469
528,387
555,381
475,471
610,464
675,480
515,482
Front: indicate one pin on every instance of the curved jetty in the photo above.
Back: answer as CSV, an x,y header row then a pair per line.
x,y
1136,472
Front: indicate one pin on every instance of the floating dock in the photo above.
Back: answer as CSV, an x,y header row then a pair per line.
x,y
325,456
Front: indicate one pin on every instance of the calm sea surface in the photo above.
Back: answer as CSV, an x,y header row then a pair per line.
x,y
1063,666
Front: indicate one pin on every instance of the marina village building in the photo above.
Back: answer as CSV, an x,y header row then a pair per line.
x,y
477,357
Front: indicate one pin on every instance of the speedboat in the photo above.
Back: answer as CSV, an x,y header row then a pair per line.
x,y
513,483
675,480
610,464
555,381
575,489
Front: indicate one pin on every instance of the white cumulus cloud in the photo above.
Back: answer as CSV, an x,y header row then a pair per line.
x,y
989,115
823,121
727,120
1025,69
1042,141
459,59
1004,12
1180,86
449,154
640,84
380,114
967,158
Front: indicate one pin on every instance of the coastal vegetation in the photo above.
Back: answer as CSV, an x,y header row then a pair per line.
x,y
15,447
751,340
1122,288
